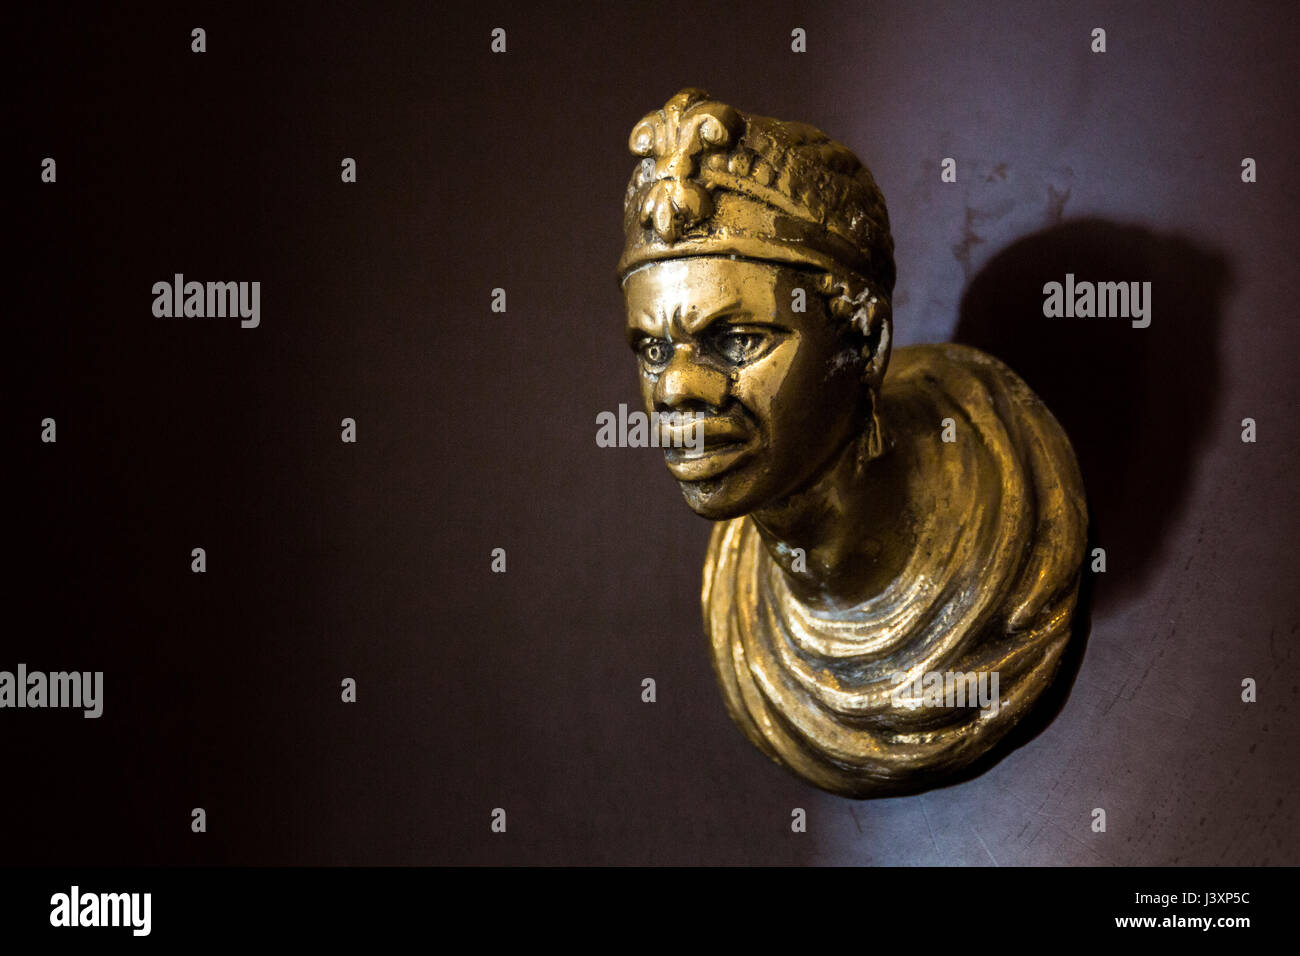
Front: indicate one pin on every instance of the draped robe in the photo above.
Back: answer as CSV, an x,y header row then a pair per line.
x,y
990,586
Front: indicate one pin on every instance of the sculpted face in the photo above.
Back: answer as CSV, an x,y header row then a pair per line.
x,y
776,392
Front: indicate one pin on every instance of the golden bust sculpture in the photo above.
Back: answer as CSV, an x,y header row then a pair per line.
x,y
896,560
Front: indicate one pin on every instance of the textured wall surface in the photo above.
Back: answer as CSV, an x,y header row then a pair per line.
x,y
476,430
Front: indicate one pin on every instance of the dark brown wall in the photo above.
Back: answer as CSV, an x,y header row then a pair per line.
x,y
477,430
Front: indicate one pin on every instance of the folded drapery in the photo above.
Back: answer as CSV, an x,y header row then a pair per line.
x,y
989,588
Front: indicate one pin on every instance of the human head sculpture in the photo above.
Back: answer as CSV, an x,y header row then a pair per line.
x,y
879,549
757,273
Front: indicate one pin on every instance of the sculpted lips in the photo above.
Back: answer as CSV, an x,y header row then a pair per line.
x,y
699,447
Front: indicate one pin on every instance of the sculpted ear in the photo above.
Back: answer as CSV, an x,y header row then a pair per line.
x,y
853,300
879,325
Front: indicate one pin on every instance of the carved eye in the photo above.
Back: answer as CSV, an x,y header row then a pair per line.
x,y
655,353
739,346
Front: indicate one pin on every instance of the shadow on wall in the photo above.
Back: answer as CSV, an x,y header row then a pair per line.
x,y
1136,402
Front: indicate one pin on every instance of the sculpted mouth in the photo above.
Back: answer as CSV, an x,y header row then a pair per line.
x,y
726,441
684,431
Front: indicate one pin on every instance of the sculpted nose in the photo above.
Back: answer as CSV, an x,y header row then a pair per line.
x,y
688,381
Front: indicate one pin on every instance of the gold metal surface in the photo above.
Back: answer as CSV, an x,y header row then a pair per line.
x,y
873,530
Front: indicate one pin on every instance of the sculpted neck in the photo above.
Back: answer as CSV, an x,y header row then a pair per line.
x,y
852,528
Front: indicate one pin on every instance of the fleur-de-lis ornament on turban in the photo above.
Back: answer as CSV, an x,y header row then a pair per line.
x,y
675,139
714,180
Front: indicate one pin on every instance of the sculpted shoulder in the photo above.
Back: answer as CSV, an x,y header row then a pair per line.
x,y
974,389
